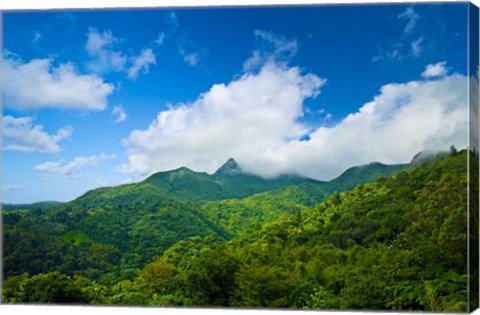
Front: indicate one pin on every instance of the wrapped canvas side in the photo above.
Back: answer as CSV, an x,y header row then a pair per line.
x,y
473,162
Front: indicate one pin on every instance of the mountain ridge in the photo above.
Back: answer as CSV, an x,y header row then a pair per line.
x,y
224,181
186,185
170,253
362,174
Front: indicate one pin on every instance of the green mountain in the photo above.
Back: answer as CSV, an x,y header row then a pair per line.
x,y
185,185
397,244
361,175
133,223
114,235
423,157
237,215
121,228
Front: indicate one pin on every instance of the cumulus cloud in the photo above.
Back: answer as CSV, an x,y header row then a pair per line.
x,y
19,134
435,70
244,117
141,62
39,84
256,119
270,47
400,121
100,47
120,114
69,169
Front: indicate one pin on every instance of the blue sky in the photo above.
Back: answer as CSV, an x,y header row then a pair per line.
x,y
103,97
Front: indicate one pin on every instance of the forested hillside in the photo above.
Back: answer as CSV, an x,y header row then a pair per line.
x,y
397,243
237,215
185,185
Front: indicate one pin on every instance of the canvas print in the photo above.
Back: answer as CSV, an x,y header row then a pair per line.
x,y
319,157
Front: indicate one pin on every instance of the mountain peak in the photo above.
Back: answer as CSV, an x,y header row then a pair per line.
x,y
425,156
230,168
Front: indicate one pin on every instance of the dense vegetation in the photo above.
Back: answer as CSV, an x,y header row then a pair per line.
x,y
237,215
185,185
397,243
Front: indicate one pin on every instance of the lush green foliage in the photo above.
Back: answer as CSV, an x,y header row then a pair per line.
x,y
101,243
361,175
186,185
398,243
237,215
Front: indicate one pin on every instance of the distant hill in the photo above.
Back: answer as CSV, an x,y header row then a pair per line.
x,y
42,205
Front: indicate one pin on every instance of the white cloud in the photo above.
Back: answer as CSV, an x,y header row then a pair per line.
x,y
407,45
190,51
106,58
253,112
69,169
39,84
192,59
256,120
435,70
20,135
193,54
400,121
411,18
416,46
160,39
100,47
171,21
270,48
141,62
120,114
